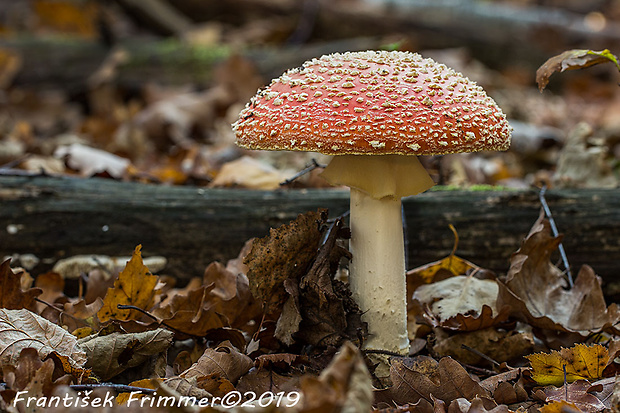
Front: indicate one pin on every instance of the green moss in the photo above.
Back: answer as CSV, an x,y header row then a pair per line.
x,y
472,188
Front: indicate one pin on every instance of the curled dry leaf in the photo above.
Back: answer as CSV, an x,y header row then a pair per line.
x,y
570,60
134,286
343,386
460,303
112,354
11,295
20,329
580,362
225,360
539,294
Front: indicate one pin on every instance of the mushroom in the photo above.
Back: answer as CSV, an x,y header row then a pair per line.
x,y
373,110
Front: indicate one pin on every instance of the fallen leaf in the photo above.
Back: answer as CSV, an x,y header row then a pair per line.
x,y
577,393
11,295
190,314
225,360
247,172
498,344
560,407
285,253
31,375
20,329
570,60
134,286
328,313
343,386
446,380
539,294
92,161
460,303
111,354
580,362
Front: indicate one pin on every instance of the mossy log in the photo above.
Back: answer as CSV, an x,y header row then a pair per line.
x,y
60,217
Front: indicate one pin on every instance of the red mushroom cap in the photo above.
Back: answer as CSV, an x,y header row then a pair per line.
x,y
373,102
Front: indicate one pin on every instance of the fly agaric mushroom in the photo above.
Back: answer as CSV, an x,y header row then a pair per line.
x,y
373,110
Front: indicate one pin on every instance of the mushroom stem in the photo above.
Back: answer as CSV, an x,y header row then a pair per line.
x,y
378,270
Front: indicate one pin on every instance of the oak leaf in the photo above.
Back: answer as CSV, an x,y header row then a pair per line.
x,y
579,362
134,286
11,295
20,329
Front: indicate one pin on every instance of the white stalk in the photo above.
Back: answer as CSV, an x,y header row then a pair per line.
x,y
377,270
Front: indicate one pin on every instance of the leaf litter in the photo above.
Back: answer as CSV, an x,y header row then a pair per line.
x,y
279,319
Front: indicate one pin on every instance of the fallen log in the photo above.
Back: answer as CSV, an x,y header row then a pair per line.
x,y
55,218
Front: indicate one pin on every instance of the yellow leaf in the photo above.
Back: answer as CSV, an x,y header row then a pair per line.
x,y
134,286
581,362
446,267
560,407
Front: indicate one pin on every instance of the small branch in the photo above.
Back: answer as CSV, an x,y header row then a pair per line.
x,y
554,229
480,354
304,171
122,388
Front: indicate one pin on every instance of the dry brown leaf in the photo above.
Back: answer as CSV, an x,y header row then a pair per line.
x,y
344,386
52,286
225,360
328,313
185,387
31,375
247,172
11,295
265,380
190,314
570,60
134,286
539,294
446,380
499,345
577,393
285,253
112,354
20,329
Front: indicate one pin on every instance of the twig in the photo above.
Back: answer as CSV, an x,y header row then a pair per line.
x,y
554,230
123,388
480,354
304,171
383,352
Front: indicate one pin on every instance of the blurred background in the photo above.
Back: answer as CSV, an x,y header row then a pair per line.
x,y
146,90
